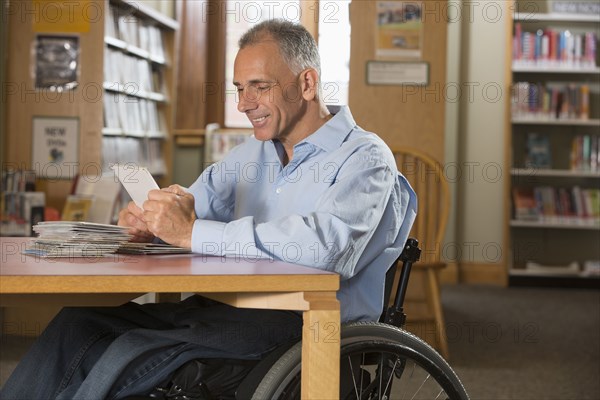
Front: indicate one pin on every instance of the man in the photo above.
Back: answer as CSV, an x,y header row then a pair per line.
x,y
310,187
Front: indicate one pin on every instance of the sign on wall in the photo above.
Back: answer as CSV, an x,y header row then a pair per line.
x,y
55,147
397,73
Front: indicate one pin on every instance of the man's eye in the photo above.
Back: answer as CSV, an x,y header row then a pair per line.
x,y
263,87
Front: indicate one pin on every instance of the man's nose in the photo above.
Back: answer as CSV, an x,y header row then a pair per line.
x,y
245,104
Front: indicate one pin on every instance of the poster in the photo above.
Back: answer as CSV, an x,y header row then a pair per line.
x,y
399,30
56,62
55,147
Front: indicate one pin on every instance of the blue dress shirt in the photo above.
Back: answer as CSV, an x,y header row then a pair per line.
x,y
339,205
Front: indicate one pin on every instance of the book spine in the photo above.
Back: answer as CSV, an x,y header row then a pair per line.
x,y
585,102
594,153
577,201
586,152
518,52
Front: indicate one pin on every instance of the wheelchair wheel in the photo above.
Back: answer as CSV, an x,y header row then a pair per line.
x,y
378,361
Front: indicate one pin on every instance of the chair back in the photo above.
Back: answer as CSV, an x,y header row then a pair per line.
x,y
426,177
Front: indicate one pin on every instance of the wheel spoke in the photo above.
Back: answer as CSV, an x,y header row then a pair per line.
x,y
420,387
409,378
380,374
353,378
391,375
361,376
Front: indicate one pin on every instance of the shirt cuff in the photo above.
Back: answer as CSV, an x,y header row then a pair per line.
x,y
207,237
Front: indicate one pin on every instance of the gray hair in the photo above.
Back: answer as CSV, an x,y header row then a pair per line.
x,y
296,45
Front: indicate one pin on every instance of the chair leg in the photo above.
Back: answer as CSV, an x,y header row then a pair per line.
x,y
440,327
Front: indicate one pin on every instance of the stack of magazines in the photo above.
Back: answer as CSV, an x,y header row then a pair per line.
x,y
76,239
88,239
151,248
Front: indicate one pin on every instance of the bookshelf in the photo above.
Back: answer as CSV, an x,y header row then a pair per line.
x,y
122,99
553,144
139,61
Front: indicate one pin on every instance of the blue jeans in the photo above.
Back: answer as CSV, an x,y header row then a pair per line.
x,y
115,352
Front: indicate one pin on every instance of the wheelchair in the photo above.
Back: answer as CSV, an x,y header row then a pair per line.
x,y
379,360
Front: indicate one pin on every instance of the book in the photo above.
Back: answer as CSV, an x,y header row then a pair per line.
x,y
20,211
584,153
77,208
540,269
591,268
538,151
525,205
554,48
104,190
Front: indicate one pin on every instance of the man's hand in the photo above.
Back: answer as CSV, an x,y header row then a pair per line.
x,y
169,214
132,217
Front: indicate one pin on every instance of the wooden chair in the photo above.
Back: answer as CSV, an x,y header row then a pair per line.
x,y
423,304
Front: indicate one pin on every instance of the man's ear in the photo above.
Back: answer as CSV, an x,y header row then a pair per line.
x,y
309,84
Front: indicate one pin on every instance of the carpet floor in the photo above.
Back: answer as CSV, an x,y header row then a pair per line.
x,y
505,343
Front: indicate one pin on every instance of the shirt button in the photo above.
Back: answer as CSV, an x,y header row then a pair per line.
x,y
278,190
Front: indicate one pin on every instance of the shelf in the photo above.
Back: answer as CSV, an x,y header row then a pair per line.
x,y
533,120
125,89
136,51
14,229
528,279
555,225
555,17
537,74
558,173
561,273
138,86
137,134
149,12
554,69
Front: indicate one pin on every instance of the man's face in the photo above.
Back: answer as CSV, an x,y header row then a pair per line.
x,y
268,91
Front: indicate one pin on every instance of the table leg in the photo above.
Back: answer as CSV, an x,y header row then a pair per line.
x,y
321,347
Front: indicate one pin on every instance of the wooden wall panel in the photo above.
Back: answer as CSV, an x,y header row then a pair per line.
x,y
401,115
192,67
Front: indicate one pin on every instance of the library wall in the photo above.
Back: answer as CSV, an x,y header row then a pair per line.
x,y
192,84
3,58
401,115
196,92
193,87
23,101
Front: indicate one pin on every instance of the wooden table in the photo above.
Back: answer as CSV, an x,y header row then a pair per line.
x,y
26,280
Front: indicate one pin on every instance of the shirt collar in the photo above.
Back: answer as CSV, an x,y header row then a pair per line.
x,y
330,136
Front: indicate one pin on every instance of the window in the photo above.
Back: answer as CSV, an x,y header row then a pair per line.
x,y
334,45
